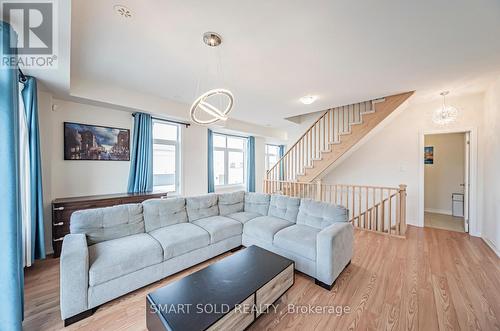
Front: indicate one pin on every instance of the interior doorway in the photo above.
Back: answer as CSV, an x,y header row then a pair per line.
x,y
446,180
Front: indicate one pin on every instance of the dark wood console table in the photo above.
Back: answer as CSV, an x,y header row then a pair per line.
x,y
64,207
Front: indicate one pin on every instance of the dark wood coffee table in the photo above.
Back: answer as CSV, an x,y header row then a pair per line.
x,y
227,295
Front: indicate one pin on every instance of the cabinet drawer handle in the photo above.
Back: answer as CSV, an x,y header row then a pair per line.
x,y
58,208
58,224
58,239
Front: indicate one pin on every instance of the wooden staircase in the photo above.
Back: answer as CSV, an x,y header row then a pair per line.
x,y
330,137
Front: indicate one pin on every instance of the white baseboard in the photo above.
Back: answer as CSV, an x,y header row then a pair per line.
x,y
492,246
438,211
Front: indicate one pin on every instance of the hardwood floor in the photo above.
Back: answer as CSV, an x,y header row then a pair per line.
x,y
433,280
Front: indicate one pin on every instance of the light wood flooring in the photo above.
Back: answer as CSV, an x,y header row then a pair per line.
x,y
444,222
433,280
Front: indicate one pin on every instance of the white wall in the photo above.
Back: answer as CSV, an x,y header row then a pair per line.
x,y
491,164
76,178
444,176
194,159
393,156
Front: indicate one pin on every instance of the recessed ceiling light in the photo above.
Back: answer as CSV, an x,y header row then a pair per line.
x,y
123,11
308,99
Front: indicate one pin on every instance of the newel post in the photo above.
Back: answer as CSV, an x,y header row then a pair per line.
x,y
318,190
402,204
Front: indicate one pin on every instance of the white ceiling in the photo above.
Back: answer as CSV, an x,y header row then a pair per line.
x,y
274,52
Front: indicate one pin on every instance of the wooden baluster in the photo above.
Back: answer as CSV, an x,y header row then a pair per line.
x,y
353,201
301,159
398,213
288,167
366,208
402,195
341,196
295,162
389,230
328,128
382,216
347,198
310,148
359,206
346,118
373,204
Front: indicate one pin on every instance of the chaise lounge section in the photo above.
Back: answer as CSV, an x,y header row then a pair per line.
x,y
115,250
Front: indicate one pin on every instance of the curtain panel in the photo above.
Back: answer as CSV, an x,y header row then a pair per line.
x,y
29,97
251,164
141,162
11,274
210,165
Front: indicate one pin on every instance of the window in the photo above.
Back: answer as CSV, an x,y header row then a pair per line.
x,y
272,156
166,160
229,159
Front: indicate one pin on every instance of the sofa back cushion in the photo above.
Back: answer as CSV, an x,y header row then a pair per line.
x,y
284,207
230,203
163,212
202,206
108,223
257,203
320,214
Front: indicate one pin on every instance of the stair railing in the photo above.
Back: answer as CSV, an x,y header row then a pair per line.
x,y
372,208
318,138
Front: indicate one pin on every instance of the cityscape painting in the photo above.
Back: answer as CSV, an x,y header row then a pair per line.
x,y
93,142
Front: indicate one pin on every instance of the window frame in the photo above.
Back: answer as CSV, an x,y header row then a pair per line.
x,y
177,144
267,154
226,151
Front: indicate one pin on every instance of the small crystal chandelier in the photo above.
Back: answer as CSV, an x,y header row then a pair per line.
x,y
446,114
215,104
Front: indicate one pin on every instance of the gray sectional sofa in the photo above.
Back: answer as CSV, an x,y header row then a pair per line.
x,y
114,250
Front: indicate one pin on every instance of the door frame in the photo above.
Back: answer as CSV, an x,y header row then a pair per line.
x,y
473,223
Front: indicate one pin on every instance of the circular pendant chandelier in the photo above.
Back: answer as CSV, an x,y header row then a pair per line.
x,y
446,114
215,104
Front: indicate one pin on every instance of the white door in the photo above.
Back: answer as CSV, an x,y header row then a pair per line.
x,y
466,181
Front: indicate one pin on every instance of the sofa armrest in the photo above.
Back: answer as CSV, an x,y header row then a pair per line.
x,y
74,275
334,247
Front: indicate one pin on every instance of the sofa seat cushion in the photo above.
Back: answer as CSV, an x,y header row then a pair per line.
x,y
244,216
265,227
180,238
219,227
118,257
298,239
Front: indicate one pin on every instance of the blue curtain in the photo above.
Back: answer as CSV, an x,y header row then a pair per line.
x,y
11,270
211,184
251,164
29,94
281,154
141,163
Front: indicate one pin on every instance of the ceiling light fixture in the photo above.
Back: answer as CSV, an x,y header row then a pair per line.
x,y
123,11
205,103
308,99
446,114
